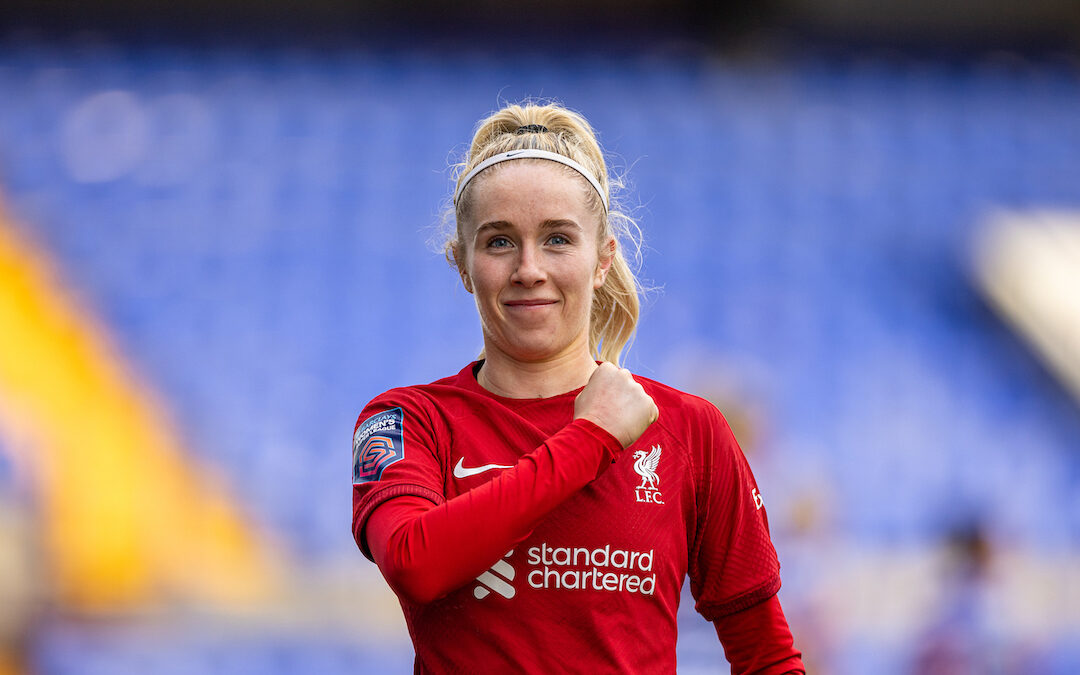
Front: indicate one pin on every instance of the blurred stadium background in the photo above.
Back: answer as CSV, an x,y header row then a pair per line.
x,y
862,222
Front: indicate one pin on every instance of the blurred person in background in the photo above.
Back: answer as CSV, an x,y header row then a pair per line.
x,y
962,635
540,510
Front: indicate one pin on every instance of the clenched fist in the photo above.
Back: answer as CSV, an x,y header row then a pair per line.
x,y
615,402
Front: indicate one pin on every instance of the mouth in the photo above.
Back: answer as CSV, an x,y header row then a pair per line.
x,y
524,304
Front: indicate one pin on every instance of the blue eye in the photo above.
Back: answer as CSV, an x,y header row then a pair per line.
x,y
498,242
558,240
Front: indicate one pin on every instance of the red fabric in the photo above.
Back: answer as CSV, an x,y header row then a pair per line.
x,y
758,641
417,545
509,556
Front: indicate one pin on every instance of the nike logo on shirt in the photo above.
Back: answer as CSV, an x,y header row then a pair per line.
x,y
461,471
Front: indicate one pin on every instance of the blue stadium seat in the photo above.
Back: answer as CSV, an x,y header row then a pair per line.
x,y
812,217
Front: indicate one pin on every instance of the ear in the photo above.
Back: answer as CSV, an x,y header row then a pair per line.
x,y
603,265
452,254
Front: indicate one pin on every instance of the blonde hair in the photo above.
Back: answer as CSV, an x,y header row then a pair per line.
x,y
615,305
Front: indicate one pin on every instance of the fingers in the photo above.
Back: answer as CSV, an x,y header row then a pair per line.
x,y
615,401
654,412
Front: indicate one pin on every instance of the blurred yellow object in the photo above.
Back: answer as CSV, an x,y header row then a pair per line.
x,y
127,519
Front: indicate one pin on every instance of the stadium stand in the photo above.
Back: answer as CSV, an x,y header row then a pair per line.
x,y
254,226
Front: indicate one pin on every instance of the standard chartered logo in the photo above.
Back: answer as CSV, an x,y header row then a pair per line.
x,y
574,569
496,579
598,569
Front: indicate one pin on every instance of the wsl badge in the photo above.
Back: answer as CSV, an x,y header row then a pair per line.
x,y
378,443
646,465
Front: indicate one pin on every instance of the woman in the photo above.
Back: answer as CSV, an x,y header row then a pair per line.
x,y
539,511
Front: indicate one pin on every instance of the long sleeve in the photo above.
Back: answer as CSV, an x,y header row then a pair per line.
x,y
426,550
757,641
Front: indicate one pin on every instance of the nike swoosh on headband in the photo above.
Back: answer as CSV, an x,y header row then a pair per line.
x,y
461,471
531,154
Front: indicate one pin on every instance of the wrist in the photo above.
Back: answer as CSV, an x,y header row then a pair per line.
x,y
610,446
596,422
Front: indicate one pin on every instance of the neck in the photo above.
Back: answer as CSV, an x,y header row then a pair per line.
x,y
506,376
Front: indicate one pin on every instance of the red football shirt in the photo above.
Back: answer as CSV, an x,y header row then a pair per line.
x,y
593,582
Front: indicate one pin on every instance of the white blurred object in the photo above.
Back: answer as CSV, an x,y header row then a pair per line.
x,y
104,137
1028,264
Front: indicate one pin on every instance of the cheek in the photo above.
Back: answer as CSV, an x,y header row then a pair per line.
x,y
485,280
582,283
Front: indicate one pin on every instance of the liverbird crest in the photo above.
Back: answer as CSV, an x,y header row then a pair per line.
x,y
645,465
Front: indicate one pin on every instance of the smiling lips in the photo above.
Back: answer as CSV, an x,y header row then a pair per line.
x,y
529,303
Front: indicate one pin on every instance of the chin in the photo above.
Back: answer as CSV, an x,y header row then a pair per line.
x,y
529,350
532,353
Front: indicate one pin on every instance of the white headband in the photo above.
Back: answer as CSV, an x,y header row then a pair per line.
x,y
530,154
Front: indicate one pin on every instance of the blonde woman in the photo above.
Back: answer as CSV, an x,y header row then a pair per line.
x,y
539,510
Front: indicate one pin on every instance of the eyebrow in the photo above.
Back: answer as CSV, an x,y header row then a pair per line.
x,y
492,225
550,224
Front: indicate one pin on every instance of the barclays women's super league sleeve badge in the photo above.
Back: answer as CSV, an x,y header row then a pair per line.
x,y
378,443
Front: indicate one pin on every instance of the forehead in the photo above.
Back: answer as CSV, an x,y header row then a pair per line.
x,y
530,188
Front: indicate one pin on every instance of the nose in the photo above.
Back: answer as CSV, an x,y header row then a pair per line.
x,y
529,271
